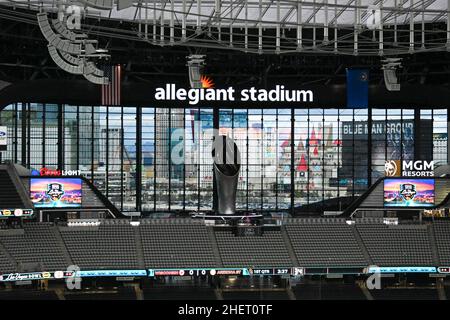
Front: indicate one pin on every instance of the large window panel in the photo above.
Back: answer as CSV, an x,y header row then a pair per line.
x,y
35,129
301,162
148,159
283,122
70,137
440,137
361,153
257,173
116,177
129,159
205,153
162,158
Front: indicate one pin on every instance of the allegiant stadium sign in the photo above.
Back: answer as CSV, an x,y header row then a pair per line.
x,y
195,95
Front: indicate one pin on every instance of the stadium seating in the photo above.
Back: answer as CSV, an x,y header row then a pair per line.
x,y
442,236
9,197
176,243
5,264
186,243
268,250
37,245
317,242
111,246
399,245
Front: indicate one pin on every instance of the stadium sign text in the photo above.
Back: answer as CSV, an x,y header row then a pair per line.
x,y
194,95
58,173
419,168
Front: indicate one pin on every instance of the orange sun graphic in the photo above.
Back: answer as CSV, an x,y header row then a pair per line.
x,y
207,82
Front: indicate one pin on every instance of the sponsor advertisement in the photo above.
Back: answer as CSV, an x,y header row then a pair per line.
x,y
3,138
398,168
20,213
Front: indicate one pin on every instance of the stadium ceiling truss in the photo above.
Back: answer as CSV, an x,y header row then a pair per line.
x,y
346,27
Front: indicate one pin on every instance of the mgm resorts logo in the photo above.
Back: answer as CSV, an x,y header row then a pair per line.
x,y
398,168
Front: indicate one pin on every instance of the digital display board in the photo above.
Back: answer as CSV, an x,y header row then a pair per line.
x,y
21,213
56,192
409,192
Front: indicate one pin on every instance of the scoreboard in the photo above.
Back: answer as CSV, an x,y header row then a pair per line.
x,y
198,272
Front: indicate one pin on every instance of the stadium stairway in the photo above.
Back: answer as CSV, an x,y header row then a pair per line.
x,y
215,248
361,244
441,232
62,246
139,248
289,247
434,250
7,262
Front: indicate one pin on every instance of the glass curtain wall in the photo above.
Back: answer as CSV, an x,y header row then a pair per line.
x,y
299,156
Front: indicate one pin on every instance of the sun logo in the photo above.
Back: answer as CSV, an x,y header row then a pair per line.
x,y
207,82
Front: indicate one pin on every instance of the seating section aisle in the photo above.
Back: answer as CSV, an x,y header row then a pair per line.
x,y
442,236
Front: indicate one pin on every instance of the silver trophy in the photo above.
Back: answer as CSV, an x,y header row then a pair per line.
x,y
227,163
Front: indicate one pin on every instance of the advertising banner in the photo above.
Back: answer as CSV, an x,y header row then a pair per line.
x,y
3,138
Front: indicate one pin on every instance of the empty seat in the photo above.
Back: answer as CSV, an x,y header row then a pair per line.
x,y
319,244
268,250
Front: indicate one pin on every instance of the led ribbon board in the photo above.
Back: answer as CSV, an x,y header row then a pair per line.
x,y
69,274
35,276
199,272
112,273
18,213
401,270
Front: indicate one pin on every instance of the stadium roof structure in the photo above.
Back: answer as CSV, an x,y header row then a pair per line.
x,y
348,27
